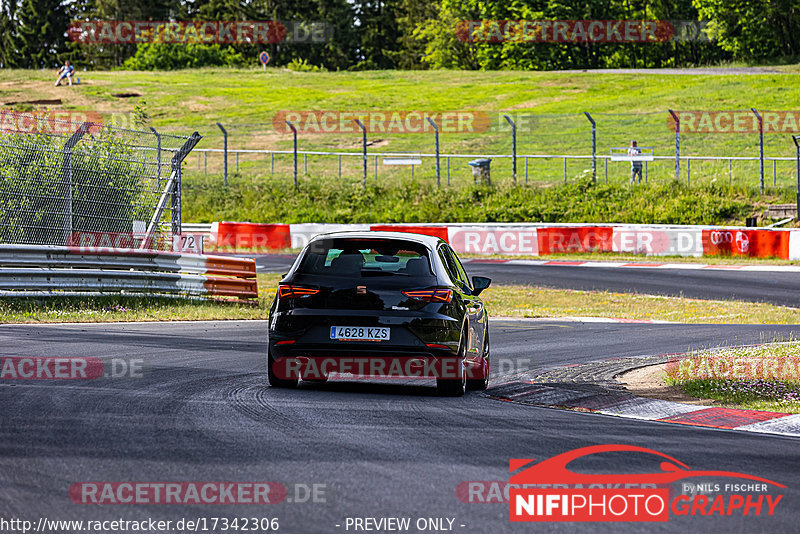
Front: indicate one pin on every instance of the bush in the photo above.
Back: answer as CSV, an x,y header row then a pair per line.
x,y
107,192
172,56
302,65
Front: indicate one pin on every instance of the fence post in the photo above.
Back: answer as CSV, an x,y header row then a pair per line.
x,y
605,164
294,149
225,150
158,156
688,171
173,186
760,145
526,171
237,161
677,144
363,149
376,169
730,172
448,171
66,177
438,167
796,139
594,146
513,149
774,171
565,171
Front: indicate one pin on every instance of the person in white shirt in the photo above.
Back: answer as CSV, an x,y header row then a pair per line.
x,y
65,72
636,166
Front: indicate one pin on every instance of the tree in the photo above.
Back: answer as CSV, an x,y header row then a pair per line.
x,y
444,50
40,34
409,15
754,29
8,30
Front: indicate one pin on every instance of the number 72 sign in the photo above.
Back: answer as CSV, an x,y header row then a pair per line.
x,y
188,243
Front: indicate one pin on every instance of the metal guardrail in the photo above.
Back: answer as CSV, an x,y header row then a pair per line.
x,y
55,270
196,228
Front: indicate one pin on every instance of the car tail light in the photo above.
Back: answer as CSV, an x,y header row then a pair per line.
x,y
431,295
287,291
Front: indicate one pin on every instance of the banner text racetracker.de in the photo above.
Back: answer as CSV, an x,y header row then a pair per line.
x,y
533,239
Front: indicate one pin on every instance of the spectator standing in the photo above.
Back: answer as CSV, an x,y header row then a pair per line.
x,y
636,165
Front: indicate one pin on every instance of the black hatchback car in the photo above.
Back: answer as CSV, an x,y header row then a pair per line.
x,y
383,304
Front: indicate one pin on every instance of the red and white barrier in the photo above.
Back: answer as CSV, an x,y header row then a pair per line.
x,y
534,239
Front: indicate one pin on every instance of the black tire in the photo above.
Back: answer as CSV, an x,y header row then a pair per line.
x,y
274,380
480,384
449,387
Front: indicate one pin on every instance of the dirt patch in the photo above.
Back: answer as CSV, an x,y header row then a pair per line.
x,y
126,95
58,98
649,382
41,102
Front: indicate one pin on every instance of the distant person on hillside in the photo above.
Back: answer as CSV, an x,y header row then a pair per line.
x,y
636,166
65,72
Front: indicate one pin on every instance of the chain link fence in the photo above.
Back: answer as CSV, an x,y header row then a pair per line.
x,y
70,181
551,149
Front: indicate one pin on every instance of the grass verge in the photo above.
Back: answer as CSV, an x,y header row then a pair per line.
x,y
522,301
764,377
263,199
113,309
633,258
501,301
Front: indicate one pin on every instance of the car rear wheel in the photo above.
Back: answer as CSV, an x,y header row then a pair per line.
x,y
274,379
480,384
450,386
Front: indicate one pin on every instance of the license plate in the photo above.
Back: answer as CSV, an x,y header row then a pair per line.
x,y
360,333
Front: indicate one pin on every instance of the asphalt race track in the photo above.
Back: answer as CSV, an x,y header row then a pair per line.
x,y
782,288
202,412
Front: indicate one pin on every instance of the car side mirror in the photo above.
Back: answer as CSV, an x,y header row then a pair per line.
x,y
480,283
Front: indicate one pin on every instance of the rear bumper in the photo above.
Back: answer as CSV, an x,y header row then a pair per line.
x,y
314,362
421,345
409,332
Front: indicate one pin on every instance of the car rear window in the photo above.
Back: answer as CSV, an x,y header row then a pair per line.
x,y
366,257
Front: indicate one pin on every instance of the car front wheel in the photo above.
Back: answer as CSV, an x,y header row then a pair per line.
x,y
450,386
482,382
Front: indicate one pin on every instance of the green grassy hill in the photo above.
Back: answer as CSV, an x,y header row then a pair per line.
x,y
625,106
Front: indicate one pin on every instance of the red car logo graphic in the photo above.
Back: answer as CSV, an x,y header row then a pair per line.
x,y
554,470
